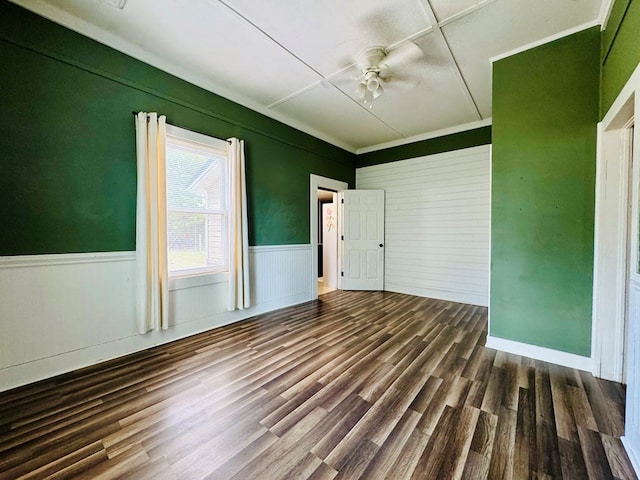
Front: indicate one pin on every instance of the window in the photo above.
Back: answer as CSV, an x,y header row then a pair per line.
x,y
197,212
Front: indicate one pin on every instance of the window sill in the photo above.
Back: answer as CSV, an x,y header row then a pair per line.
x,y
198,280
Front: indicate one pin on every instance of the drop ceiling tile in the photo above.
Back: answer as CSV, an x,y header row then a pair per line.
x,y
205,37
327,110
421,96
330,34
448,8
505,25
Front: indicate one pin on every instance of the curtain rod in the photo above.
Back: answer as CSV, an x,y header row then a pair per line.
x,y
135,114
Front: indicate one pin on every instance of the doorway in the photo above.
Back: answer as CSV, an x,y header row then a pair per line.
x,y
317,182
616,273
327,241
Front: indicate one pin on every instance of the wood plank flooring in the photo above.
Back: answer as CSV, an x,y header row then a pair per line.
x,y
357,385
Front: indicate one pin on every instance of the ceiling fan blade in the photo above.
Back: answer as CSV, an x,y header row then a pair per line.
x,y
369,58
400,81
405,54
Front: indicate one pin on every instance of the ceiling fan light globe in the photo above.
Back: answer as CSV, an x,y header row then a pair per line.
x,y
361,90
377,92
373,84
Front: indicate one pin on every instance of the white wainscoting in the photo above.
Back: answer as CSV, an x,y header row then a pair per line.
x,y
280,275
437,224
63,312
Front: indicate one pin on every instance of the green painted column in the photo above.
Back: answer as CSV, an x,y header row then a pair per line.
x,y
545,110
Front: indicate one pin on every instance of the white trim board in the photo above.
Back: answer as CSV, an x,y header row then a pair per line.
x,y
449,296
18,261
610,233
611,282
634,456
540,353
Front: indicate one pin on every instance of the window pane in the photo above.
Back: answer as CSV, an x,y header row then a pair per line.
x,y
217,241
186,234
196,207
196,240
195,179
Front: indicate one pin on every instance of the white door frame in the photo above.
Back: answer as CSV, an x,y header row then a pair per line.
x,y
316,181
613,171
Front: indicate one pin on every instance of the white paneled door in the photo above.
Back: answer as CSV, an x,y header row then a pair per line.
x,y
361,245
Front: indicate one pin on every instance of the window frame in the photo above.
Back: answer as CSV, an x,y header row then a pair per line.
x,y
192,277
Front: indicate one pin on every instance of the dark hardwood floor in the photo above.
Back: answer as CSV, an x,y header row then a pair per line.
x,y
355,385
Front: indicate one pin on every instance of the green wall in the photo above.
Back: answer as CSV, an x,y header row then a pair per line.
x,y
67,143
620,53
446,143
545,110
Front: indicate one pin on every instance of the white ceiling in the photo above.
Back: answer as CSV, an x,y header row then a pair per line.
x,y
294,59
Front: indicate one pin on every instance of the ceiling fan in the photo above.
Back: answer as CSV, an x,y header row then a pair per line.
x,y
381,66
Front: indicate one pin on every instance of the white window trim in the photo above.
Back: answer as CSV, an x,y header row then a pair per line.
x,y
197,280
182,279
183,133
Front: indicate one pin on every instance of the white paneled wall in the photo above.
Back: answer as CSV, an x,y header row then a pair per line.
x,y
280,274
631,439
62,312
437,223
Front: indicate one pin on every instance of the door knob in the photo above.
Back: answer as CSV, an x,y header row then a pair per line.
x,y
381,245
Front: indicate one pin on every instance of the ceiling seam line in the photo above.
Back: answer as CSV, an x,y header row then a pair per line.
x,y
464,13
461,76
303,62
295,94
271,38
411,38
323,78
327,78
426,4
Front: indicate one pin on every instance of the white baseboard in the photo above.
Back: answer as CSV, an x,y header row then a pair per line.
x,y
540,353
448,295
634,456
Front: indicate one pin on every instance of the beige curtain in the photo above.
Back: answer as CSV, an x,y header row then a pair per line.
x,y
152,278
239,293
